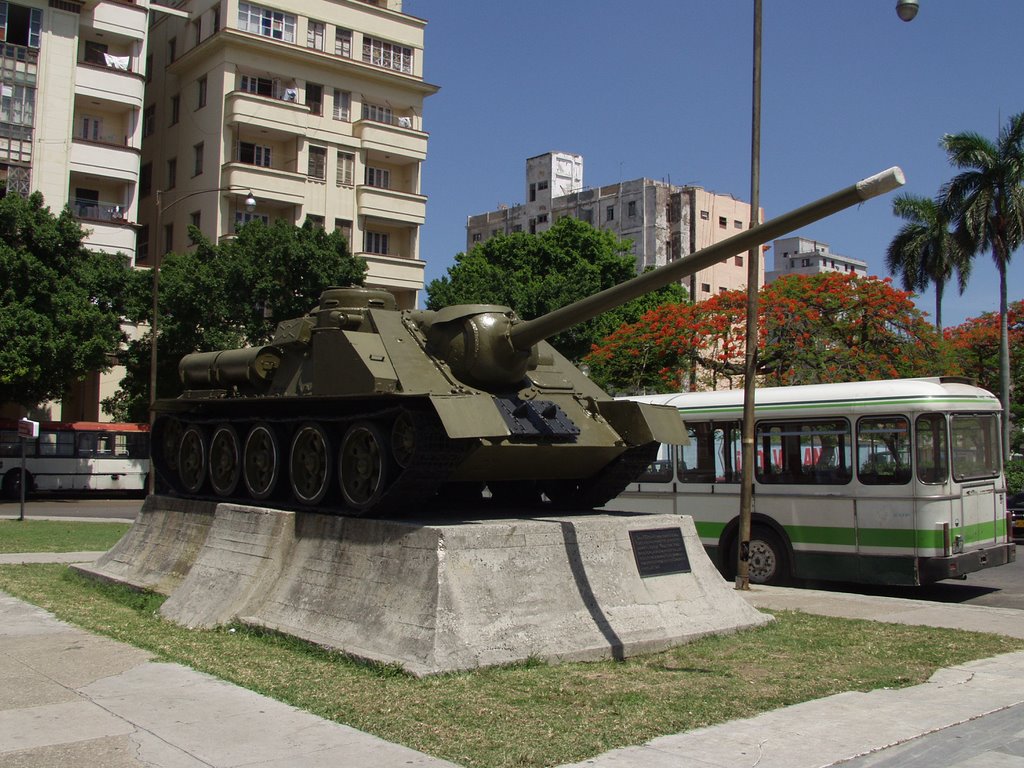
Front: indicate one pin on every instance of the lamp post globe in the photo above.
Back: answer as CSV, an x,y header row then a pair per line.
x,y
906,9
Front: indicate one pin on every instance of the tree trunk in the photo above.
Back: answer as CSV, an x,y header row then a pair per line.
x,y
1004,356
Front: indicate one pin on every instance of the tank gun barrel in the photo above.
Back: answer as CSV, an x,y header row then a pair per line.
x,y
526,334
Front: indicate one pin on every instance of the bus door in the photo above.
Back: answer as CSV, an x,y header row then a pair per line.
x,y
974,443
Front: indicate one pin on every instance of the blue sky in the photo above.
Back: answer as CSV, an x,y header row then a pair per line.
x,y
662,89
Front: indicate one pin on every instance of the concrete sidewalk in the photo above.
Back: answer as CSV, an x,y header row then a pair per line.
x,y
70,697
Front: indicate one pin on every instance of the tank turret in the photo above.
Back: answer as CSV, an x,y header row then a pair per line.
x,y
359,406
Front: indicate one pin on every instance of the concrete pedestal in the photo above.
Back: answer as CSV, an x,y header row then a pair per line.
x,y
440,595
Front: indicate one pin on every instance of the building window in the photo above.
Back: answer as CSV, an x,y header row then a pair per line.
x,y
197,165
195,219
18,104
18,28
375,242
149,68
533,193
609,213
723,222
315,35
145,179
261,86
346,169
805,262
175,108
90,128
315,98
263,21
342,105
705,287
477,237
343,42
385,54
201,92
377,113
168,238
378,177
317,165
148,115
704,215
345,226
244,217
631,209
142,244
542,218
254,154
737,224
316,222
172,173
172,49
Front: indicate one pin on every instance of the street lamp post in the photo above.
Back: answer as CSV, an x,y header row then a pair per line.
x,y
250,205
906,10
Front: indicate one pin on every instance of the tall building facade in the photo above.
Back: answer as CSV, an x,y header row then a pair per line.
x,y
314,108
663,221
804,256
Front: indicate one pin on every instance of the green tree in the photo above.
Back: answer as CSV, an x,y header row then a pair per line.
x,y
535,274
986,201
821,328
226,296
925,252
60,303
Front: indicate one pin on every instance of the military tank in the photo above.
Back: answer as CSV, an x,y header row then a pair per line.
x,y
359,407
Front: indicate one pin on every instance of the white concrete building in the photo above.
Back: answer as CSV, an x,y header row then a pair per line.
x,y
315,107
804,256
664,222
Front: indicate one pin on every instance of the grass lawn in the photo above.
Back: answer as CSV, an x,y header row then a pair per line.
x,y
58,536
531,714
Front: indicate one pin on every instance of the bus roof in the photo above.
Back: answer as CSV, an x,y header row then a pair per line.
x,y
929,393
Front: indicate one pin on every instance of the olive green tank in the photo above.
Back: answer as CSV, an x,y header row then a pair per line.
x,y
359,407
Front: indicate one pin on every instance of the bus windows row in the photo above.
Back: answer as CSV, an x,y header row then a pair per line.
x,y
880,450
72,444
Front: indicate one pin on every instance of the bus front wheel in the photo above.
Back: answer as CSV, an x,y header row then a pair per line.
x,y
768,558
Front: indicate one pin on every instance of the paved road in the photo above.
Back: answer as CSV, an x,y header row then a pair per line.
x,y
997,587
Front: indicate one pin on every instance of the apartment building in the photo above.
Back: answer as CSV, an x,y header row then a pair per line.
x,y
71,100
313,109
664,222
804,256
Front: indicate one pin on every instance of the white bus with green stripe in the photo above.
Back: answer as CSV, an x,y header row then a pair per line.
x,y
885,482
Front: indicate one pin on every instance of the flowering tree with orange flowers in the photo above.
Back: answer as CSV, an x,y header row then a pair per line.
x,y
975,348
811,329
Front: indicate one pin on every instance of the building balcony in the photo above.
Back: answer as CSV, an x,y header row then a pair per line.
x,y
108,161
108,82
121,18
390,204
391,138
266,183
283,118
389,271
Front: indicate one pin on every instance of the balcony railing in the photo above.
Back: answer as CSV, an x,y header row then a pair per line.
x,y
99,210
109,61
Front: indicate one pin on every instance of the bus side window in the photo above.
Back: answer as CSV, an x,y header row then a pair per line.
x,y
711,455
932,448
659,470
813,452
883,450
56,443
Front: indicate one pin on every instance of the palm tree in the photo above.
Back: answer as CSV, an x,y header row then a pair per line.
x,y
925,251
986,202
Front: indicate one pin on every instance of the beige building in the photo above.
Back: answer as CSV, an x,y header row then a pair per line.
x,y
804,256
664,222
314,107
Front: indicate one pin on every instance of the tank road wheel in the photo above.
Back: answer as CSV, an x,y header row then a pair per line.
x,y
192,459
363,466
225,460
170,441
261,462
310,464
403,440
